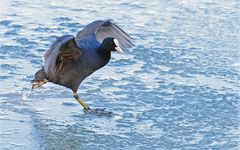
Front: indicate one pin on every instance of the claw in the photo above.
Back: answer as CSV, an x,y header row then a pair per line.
x,y
99,112
39,83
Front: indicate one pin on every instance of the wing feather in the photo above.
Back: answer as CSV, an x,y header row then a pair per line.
x,y
65,48
105,28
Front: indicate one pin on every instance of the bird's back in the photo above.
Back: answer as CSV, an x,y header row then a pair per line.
x,y
73,73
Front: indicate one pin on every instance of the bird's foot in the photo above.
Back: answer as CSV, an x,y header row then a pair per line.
x,y
99,112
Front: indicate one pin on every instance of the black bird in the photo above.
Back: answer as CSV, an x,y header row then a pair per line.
x,y
71,59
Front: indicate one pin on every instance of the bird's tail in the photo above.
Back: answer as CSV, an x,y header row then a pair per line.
x,y
40,78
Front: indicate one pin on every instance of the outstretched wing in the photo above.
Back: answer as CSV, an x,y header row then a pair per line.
x,y
64,50
105,28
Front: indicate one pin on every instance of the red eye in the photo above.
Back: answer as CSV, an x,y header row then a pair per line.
x,y
112,43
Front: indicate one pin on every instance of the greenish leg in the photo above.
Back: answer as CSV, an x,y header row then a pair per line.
x,y
98,112
81,102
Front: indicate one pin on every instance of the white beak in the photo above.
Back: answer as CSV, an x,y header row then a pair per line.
x,y
118,48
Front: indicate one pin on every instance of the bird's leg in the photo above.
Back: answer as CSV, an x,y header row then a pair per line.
x,y
81,102
98,112
39,83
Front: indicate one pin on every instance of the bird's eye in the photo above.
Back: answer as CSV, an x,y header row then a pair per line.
x,y
112,43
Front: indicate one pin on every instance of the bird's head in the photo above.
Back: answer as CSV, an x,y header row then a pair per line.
x,y
111,44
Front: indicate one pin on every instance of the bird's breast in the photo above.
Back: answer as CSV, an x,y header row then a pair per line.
x,y
95,62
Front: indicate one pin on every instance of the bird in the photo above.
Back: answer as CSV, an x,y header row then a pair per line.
x,y
70,59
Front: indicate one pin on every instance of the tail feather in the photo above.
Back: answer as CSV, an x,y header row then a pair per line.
x,y
40,78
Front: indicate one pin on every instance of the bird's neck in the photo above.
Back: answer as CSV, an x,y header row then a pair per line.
x,y
104,53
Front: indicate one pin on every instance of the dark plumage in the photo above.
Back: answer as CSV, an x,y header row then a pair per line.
x,y
70,60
